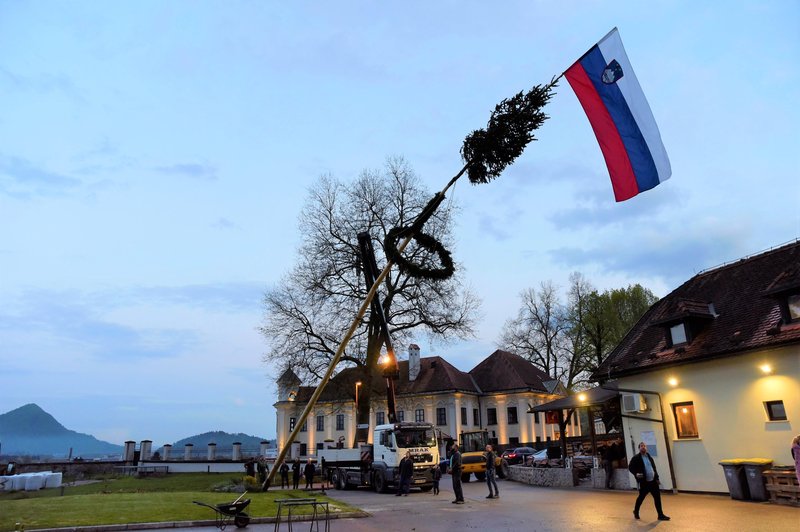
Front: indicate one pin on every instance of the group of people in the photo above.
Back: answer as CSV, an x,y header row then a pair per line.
x,y
456,467
308,472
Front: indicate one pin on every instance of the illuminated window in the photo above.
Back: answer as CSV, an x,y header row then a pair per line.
x,y
776,411
419,415
292,422
685,423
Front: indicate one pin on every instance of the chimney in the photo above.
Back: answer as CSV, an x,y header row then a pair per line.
x,y
167,449
237,451
212,451
146,450
187,451
413,362
263,450
130,450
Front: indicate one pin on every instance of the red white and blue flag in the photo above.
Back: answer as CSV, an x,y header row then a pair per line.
x,y
606,86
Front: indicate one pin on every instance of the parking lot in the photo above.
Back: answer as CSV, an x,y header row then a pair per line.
x,y
527,508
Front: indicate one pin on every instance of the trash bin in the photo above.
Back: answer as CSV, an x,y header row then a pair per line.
x,y
754,471
735,476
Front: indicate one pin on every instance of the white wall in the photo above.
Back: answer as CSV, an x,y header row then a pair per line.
x,y
728,396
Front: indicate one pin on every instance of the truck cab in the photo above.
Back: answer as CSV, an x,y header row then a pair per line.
x,y
391,442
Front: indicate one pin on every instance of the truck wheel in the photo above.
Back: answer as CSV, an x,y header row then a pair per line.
x,y
380,482
341,483
465,477
480,476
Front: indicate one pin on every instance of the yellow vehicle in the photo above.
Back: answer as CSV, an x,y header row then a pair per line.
x,y
473,446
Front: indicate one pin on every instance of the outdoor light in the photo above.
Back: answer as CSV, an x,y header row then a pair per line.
x,y
766,368
685,410
383,359
673,381
582,397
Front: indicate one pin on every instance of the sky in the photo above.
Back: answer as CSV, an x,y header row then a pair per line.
x,y
155,155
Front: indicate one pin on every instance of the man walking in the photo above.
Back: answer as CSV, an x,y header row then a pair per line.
x,y
455,472
490,473
644,469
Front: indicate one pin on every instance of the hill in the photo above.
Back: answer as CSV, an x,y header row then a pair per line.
x,y
222,439
29,430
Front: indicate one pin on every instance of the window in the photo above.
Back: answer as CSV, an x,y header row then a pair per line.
x,y
538,439
491,416
536,417
339,421
776,411
379,418
304,427
320,423
512,415
441,416
292,423
401,415
685,423
419,415
475,420
678,334
793,301
463,415
513,441
320,445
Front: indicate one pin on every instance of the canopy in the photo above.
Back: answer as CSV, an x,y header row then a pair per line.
x,y
594,396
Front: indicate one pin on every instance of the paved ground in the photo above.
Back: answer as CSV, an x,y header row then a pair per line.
x,y
527,508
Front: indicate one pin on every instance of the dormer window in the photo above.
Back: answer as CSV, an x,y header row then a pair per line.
x,y
677,334
793,302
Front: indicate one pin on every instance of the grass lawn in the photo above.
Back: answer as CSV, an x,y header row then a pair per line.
x,y
135,500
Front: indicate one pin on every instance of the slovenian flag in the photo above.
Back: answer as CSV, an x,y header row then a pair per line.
x,y
609,92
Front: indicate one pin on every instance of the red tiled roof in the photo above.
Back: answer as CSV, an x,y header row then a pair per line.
x,y
502,371
747,315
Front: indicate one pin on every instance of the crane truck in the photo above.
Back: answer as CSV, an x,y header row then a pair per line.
x,y
377,464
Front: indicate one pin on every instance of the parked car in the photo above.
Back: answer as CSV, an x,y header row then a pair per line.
x,y
537,459
517,455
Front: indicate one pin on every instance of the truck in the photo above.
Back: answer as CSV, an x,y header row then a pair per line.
x,y
473,446
376,465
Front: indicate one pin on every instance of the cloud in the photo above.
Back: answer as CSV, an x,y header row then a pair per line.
x,y
223,223
23,179
672,255
596,207
45,83
205,172
236,297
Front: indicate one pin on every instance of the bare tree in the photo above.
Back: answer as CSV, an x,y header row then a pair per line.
x,y
309,311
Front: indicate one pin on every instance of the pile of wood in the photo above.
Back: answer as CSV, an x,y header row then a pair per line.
x,y
782,486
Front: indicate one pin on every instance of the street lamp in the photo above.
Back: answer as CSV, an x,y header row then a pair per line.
x,y
358,385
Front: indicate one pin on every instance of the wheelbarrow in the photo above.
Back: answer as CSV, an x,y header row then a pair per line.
x,y
230,512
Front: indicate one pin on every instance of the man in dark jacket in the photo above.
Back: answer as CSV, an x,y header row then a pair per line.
x,y
308,472
644,469
489,456
284,475
455,472
296,473
406,472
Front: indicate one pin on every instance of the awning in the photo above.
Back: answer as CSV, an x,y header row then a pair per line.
x,y
594,396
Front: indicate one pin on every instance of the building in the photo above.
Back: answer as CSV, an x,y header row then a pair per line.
x,y
494,395
712,371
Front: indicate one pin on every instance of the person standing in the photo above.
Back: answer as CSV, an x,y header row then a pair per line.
x,y
284,475
796,456
406,472
644,469
455,472
437,476
308,472
296,473
491,473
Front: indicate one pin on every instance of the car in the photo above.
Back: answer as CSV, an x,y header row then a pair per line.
x,y
517,455
537,459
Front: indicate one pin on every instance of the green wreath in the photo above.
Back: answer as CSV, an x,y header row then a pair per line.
x,y
424,241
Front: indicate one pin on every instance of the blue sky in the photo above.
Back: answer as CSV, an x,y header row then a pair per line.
x,y
154,157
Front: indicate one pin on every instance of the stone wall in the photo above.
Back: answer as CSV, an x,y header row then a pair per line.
x,y
553,477
620,480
